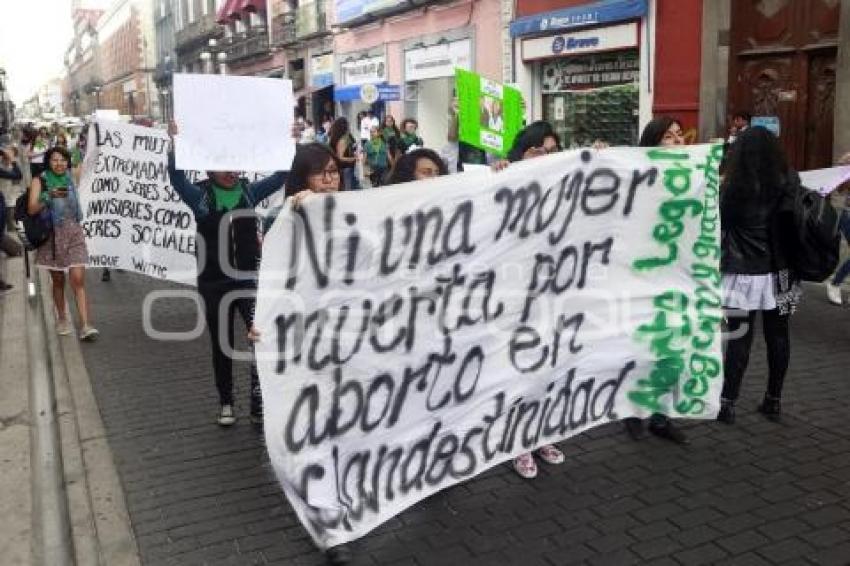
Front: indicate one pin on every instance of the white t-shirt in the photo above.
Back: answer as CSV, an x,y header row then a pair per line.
x,y
366,125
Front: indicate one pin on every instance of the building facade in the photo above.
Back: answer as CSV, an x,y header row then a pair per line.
x,y
600,70
409,52
83,80
110,61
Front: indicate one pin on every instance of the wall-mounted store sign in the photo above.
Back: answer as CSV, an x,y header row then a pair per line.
x,y
369,93
363,71
590,71
622,36
347,10
322,70
595,13
436,61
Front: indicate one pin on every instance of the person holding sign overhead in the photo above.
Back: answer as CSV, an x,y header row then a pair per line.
x,y
223,206
53,192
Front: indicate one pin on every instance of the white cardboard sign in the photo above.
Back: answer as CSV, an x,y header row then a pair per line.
x,y
233,123
417,335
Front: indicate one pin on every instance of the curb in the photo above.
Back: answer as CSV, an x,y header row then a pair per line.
x,y
100,524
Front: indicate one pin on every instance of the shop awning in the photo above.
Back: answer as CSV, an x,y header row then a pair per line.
x,y
223,15
596,13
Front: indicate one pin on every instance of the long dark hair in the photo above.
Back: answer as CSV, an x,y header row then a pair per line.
x,y
338,129
533,135
654,132
56,149
310,159
405,168
756,167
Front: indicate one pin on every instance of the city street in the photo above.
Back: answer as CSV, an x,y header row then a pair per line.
x,y
754,493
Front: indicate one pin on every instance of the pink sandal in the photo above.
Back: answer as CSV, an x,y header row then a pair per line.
x,y
525,466
550,454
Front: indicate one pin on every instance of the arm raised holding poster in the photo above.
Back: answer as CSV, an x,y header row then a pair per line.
x,y
233,123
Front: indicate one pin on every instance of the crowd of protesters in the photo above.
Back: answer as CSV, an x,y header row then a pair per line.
x,y
756,204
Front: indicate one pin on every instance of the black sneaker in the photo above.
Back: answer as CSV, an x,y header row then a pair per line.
x,y
771,408
5,286
727,412
669,431
634,426
339,554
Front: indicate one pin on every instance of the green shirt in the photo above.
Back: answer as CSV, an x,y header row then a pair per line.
x,y
227,199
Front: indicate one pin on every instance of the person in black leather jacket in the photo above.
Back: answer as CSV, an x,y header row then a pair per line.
x,y
756,214
660,131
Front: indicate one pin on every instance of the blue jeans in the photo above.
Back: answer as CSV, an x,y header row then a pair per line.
x,y
844,270
350,180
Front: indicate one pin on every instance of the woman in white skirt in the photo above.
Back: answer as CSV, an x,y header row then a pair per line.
x,y
756,210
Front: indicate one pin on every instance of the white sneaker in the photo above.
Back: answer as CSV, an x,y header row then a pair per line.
x,y
63,328
833,293
89,333
226,417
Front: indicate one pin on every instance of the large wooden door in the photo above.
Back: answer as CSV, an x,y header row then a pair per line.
x,y
782,63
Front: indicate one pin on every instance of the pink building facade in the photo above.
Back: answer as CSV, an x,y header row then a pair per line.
x,y
414,53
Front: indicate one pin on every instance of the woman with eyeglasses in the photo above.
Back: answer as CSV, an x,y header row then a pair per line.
x,y
223,206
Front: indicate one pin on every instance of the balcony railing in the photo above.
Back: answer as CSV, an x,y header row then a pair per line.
x,y
245,45
283,29
197,32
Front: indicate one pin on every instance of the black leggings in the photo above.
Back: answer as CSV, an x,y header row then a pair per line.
x,y
213,297
739,328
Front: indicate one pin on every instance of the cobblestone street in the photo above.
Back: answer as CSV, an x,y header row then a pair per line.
x,y
754,493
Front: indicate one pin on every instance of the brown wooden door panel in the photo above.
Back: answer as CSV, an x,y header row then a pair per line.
x,y
820,110
777,69
766,85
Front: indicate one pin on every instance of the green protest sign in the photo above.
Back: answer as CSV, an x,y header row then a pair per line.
x,y
489,113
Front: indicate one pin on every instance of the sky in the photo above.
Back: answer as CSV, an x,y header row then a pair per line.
x,y
33,37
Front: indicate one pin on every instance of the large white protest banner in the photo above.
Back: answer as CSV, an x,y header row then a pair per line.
x,y
232,123
132,217
414,336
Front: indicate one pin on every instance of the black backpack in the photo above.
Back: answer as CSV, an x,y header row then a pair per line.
x,y
33,229
816,243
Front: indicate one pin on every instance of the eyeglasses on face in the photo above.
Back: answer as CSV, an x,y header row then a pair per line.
x,y
328,174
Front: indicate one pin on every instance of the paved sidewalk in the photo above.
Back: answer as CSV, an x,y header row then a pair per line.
x,y
15,501
756,493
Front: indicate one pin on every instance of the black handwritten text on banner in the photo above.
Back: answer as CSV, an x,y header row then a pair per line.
x,y
133,218
416,335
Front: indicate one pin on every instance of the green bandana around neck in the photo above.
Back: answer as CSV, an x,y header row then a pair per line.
x,y
227,199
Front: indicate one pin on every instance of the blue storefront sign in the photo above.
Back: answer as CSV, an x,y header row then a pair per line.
x,y
602,12
385,92
770,123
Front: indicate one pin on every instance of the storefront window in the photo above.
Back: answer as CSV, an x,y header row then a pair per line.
x,y
593,97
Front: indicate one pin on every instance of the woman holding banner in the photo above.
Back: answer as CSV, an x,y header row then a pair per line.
x,y
53,192
662,131
223,206
535,140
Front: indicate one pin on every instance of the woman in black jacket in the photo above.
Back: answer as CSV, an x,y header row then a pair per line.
x,y
756,212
